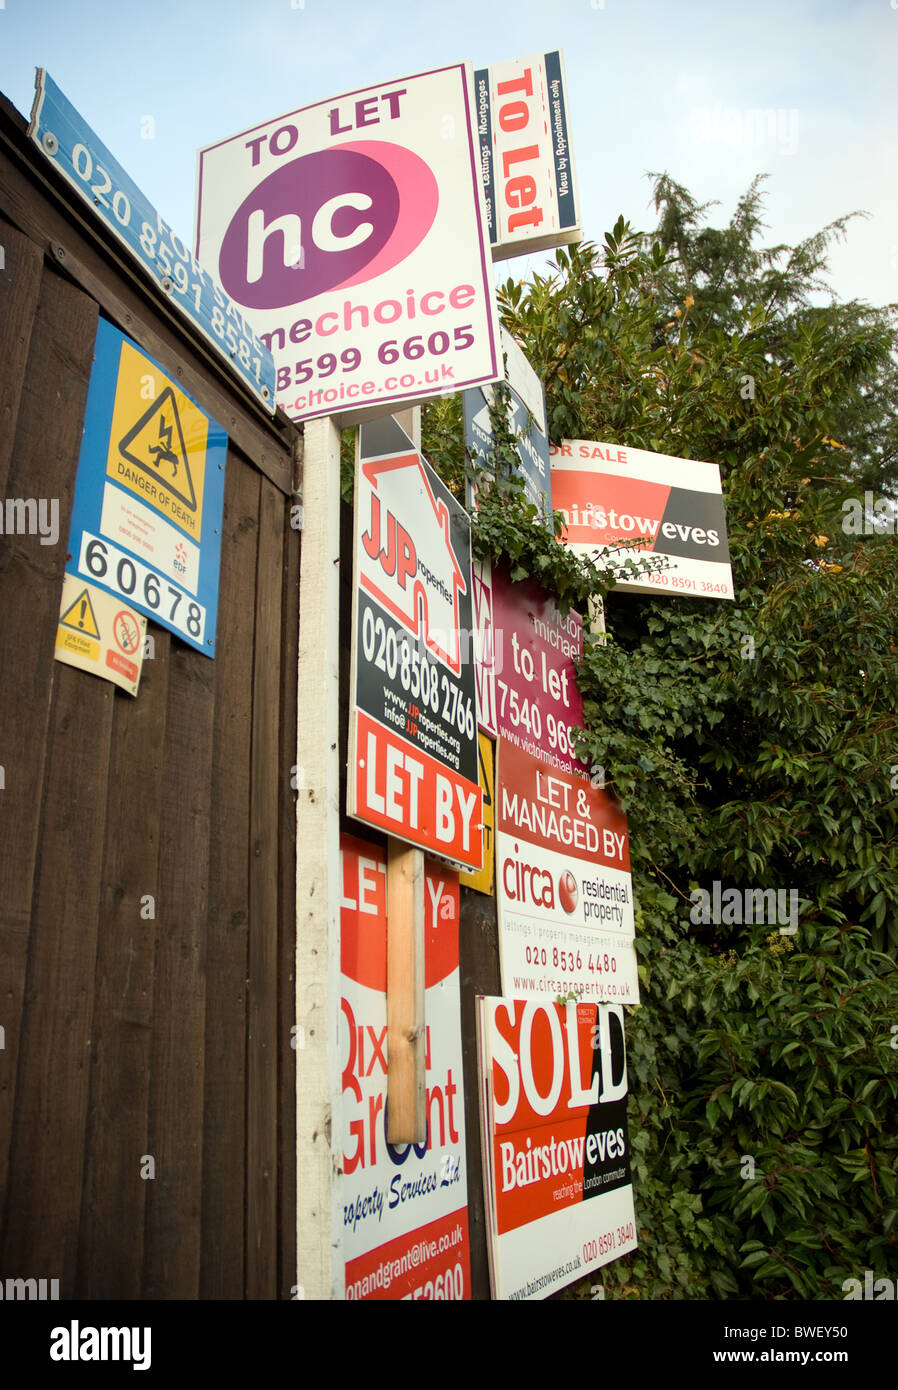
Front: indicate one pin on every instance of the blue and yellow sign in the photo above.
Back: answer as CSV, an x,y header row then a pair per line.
x,y
149,493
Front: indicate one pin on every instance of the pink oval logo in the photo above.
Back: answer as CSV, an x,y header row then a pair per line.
x,y
325,221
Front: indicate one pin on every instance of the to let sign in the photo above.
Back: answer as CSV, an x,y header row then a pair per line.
x,y
537,701
413,721
352,234
526,164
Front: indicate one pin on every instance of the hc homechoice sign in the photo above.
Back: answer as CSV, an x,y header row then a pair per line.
x,y
352,233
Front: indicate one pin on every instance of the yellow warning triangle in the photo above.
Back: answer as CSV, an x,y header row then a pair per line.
x,y
156,444
81,616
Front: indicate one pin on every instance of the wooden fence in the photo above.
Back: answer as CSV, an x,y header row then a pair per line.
x,y
147,846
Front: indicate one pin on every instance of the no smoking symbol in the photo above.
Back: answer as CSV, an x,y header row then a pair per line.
x,y
126,632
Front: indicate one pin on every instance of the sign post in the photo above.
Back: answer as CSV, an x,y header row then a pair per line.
x,y
318,1079
406,1013
406,1109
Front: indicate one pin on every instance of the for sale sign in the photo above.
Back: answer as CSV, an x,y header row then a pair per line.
x,y
413,721
610,494
351,232
565,894
556,1148
526,162
405,1217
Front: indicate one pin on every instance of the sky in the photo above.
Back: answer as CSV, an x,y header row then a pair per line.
x,y
653,85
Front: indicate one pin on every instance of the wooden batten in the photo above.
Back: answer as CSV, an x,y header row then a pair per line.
x,y
406,1111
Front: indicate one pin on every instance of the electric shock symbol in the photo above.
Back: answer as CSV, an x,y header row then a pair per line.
x,y
156,444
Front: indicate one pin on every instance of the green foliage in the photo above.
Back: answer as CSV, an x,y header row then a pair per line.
x,y
509,527
754,743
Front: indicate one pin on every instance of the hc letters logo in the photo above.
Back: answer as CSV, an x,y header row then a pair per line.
x,y
325,221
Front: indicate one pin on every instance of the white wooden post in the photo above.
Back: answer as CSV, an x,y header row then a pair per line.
x,y
319,1123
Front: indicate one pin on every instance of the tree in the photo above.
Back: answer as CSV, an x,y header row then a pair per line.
x,y
754,744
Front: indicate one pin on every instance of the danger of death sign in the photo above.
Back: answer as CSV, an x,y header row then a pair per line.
x,y
149,493
413,722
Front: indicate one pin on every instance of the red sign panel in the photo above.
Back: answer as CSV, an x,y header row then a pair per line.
x,y
405,1219
536,646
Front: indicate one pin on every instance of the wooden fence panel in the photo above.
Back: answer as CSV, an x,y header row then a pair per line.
x,y
46,436
20,279
147,854
262,1050
113,1210
224,1125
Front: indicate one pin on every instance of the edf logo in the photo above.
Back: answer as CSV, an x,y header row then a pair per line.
x,y
328,219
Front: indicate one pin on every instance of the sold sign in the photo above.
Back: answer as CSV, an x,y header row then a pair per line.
x,y
352,234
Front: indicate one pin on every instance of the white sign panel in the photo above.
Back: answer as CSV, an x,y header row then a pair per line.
x,y
526,163
405,1207
352,234
564,891
556,1151
669,507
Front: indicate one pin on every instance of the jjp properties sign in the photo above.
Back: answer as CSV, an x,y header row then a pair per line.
x,y
413,721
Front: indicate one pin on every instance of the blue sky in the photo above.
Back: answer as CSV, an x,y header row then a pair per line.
x,y
653,85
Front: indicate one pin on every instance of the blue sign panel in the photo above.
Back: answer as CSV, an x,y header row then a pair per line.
x,y
149,493
73,148
532,443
